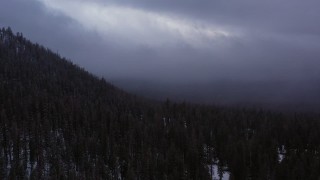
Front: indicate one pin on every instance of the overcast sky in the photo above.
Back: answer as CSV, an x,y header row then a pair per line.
x,y
181,43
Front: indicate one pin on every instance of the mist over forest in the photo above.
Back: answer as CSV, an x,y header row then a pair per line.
x,y
249,53
160,90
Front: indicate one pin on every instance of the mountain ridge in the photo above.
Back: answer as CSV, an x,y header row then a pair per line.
x,y
57,121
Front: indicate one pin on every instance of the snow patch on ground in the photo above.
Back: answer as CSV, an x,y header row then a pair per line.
x,y
214,173
281,153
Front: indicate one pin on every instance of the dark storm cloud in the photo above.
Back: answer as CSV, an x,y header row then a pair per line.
x,y
206,50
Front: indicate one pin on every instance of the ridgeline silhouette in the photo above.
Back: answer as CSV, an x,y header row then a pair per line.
x,y
57,121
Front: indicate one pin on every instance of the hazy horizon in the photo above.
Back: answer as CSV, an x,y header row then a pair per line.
x,y
207,51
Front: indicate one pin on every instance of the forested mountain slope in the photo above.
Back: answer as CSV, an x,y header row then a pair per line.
x,y
58,121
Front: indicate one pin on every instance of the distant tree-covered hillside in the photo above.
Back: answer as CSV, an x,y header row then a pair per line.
x,y
57,121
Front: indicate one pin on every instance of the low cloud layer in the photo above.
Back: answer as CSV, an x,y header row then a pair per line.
x,y
137,26
205,51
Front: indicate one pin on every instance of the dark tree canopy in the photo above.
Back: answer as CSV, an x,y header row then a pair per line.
x,y
57,121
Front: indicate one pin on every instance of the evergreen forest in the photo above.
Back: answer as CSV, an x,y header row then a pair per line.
x,y
58,121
